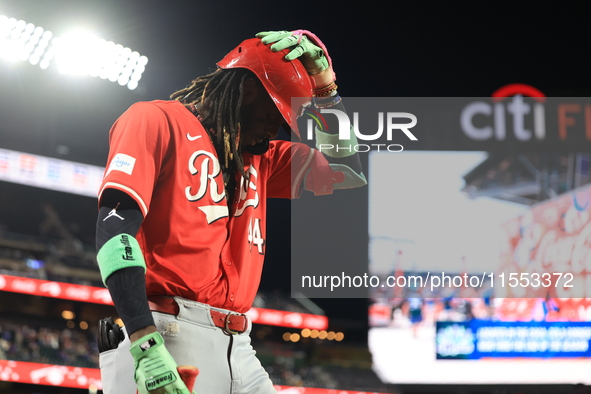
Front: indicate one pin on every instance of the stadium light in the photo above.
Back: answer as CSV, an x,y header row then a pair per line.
x,y
68,315
75,53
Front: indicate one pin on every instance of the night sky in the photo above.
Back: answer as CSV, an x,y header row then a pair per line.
x,y
379,49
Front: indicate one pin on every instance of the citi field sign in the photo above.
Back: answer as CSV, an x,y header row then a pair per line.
x,y
509,116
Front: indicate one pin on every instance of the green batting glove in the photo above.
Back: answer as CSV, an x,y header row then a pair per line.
x,y
155,369
311,55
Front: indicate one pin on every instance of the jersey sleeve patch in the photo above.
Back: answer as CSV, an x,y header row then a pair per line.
x,y
122,162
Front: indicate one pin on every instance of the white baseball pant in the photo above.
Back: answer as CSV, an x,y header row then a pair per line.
x,y
226,363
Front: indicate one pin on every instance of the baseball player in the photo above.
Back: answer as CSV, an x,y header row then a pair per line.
x,y
181,227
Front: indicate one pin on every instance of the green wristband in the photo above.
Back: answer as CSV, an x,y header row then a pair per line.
x,y
119,252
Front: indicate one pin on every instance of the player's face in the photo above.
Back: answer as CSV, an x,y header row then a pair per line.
x,y
260,118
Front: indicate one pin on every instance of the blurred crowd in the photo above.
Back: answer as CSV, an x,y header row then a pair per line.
x,y
50,345
421,307
309,376
27,256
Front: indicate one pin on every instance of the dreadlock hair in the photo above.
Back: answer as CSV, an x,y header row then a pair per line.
x,y
217,98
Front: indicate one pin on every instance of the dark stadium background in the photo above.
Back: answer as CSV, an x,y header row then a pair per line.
x,y
380,49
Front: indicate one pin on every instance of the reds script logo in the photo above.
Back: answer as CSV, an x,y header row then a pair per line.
x,y
209,174
245,200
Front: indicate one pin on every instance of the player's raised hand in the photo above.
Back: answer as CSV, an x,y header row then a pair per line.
x,y
303,45
155,369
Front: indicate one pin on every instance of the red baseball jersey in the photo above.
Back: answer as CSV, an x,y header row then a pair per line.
x,y
196,244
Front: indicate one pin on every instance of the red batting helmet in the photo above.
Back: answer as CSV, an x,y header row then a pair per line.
x,y
284,80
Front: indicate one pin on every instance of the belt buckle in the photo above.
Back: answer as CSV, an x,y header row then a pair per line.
x,y
227,323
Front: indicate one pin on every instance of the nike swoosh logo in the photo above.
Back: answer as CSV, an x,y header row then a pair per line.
x,y
191,138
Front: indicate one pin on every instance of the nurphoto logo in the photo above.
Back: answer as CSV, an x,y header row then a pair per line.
x,y
388,123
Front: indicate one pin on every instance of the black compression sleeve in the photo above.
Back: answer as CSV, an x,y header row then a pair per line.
x,y
128,290
118,214
112,223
